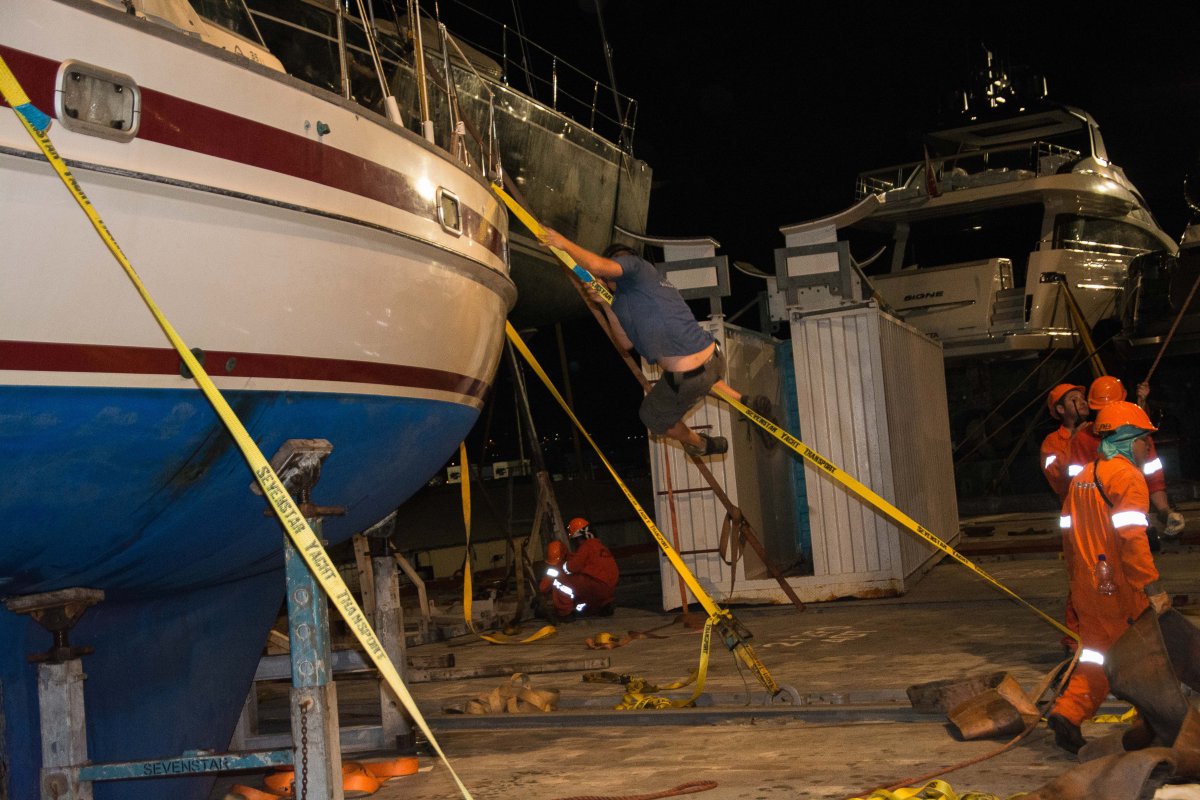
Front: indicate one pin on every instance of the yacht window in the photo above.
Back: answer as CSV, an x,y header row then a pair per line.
x,y
364,83
229,14
1010,233
303,38
1100,235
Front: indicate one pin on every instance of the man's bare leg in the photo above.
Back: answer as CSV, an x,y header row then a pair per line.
x,y
681,433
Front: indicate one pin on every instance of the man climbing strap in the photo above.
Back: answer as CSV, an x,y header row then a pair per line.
x,y
649,315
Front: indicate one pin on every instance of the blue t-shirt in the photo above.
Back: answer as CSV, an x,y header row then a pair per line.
x,y
653,314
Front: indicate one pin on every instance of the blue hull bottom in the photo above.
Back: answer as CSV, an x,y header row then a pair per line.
x,y
168,675
142,493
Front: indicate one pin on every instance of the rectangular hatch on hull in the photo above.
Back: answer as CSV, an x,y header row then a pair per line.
x,y
96,101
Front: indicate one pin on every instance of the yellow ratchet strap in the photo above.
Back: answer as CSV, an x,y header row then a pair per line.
x,y
468,588
825,465
871,498
306,542
638,694
537,230
735,638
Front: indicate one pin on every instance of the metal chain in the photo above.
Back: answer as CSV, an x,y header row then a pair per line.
x,y
304,748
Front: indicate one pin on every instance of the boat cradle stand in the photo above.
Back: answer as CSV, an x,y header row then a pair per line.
x,y
66,773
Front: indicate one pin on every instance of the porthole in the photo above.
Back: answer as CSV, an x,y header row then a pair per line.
x,y
96,101
449,212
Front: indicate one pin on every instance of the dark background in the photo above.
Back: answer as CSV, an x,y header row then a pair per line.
x,y
757,115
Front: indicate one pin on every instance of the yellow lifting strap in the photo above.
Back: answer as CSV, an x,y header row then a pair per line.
x,y
934,790
823,464
735,637
638,695
871,498
468,583
306,542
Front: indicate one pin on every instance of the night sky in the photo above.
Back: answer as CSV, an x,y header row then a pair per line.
x,y
757,115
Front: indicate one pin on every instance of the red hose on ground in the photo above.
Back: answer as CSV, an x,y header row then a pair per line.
x,y
691,787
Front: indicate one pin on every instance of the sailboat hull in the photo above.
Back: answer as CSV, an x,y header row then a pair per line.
x,y
339,278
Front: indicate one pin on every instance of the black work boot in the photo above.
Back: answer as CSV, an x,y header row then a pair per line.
x,y
709,446
1067,734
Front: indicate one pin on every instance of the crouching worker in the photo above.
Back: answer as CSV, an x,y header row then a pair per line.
x,y
580,582
1111,572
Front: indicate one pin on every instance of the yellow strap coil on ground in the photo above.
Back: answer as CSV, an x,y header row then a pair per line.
x,y
468,583
934,790
825,465
306,542
1111,719
716,614
639,696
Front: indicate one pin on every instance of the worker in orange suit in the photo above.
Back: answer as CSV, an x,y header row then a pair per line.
x,y
580,582
1068,405
1110,569
1086,442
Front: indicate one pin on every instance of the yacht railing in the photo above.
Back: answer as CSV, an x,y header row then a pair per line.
x,y
548,78
336,55
971,168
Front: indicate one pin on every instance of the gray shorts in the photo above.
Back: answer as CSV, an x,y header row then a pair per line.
x,y
670,400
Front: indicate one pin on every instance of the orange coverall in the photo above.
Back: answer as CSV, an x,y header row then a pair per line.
x,y
1091,526
590,576
1056,456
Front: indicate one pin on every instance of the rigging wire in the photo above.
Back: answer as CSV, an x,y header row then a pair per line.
x,y
612,76
519,21
1078,362
1025,380
1049,355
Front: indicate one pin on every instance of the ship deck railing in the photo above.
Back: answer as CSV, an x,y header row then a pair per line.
x,y
971,168
328,48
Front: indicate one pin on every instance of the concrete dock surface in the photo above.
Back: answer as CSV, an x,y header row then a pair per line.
x,y
849,663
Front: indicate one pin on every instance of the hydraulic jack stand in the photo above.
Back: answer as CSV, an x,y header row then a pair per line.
x,y
60,688
315,751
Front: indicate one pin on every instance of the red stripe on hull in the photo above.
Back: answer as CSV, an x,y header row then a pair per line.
x,y
172,121
69,357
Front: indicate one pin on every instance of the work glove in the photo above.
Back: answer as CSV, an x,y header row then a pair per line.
x,y
1173,523
1160,602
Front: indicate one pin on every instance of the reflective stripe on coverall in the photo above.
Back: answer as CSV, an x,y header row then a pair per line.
x,y
590,576
1092,527
1056,455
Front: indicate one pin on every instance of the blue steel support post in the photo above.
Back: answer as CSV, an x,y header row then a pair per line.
x,y
315,732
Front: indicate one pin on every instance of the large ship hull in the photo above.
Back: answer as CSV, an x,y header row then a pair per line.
x,y
343,279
